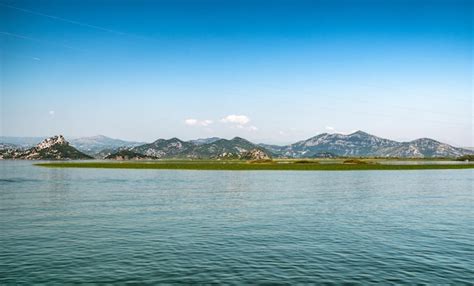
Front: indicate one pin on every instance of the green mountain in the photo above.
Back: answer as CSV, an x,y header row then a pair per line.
x,y
236,148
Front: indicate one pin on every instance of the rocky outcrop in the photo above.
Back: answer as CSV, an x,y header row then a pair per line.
x,y
52,141
256,154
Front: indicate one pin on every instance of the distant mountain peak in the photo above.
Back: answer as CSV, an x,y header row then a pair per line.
x,y
100,136
175,139
361,133
424,139
170,140
239,139
201,141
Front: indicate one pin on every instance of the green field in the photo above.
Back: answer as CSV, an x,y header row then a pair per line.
x,y
290,165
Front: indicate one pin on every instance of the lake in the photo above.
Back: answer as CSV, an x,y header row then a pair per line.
x,y
148,226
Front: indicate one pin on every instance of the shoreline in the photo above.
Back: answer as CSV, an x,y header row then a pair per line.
x,y
246,166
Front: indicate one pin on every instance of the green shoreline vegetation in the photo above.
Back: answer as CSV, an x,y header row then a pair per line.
x,y
277,165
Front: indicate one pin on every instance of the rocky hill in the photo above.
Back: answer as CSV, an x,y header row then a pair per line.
x,y
54,148
356,144
362,144
255,154
424,148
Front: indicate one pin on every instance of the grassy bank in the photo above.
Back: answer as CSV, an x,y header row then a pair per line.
x,y
239,165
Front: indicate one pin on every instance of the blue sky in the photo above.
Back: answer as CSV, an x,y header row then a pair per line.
x,y
269,71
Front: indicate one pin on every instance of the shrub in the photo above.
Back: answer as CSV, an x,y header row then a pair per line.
x,y
354,161
466,158
305,162
261,161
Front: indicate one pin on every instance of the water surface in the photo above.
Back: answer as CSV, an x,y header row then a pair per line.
x,y
147,226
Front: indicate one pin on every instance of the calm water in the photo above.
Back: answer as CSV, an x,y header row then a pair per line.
x,y
89,225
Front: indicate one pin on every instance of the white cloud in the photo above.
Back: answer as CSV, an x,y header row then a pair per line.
x,y
190,122
236,119
205,122
239,122
51,112
195,122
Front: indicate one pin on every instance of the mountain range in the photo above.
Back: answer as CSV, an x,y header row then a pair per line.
x,y
236,148
357,144
362,144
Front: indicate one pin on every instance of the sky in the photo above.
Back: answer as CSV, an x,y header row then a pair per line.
x,y
269,71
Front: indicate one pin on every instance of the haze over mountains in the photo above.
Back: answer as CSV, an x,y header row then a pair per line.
x,y
357,144
95,144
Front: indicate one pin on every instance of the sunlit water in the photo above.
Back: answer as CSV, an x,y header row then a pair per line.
x,y
148,226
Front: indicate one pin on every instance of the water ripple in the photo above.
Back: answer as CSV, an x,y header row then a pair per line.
x,y
118,227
